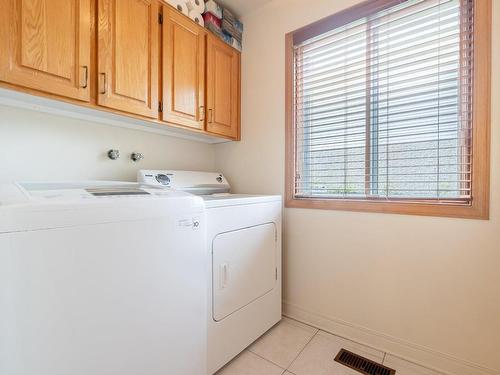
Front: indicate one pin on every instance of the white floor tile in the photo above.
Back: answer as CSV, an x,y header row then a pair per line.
x,y
248,363
305,350
318,356
282,343
403,367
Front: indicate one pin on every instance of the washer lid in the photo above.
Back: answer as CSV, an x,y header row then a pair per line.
x,y
84,190
41,205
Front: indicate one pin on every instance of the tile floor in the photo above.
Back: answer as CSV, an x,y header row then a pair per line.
x,y
294,348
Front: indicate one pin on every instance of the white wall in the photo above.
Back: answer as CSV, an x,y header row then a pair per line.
x,y
39,146
422,287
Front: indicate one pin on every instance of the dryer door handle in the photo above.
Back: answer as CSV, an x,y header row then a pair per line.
x,y
224,275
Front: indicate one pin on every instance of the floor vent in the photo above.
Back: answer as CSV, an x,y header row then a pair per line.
x,y
361,364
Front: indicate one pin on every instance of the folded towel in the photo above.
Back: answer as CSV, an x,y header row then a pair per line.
x,y
226,14
227,38
230,29
215,29
209,17
237,44
239,26
214,8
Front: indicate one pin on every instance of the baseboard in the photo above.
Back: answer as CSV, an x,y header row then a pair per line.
x,y
415,353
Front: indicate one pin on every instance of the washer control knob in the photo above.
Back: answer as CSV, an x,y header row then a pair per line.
x,y
163,179
137,156
113,154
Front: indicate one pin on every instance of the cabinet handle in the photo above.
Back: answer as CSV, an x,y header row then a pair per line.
x,y
86,75
202,113
104,83
210,115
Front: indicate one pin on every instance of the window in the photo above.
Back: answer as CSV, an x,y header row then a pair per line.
x,y
388,109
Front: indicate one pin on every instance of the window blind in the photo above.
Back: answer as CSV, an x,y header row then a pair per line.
x,y
383,106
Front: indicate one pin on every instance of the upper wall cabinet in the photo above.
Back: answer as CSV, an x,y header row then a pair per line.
x,y
183,70
45,45
117,56
223,88
127,54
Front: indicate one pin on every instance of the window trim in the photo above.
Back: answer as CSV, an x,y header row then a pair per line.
x,y
479,208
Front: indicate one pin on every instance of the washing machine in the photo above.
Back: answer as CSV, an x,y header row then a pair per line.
x,y
244,247
101,278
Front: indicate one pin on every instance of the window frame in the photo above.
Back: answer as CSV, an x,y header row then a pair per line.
x,y
481,113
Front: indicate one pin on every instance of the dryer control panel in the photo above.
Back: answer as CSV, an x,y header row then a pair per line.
x,y
199,183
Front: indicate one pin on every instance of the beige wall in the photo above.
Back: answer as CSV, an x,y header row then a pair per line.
x,y
39,146
431,284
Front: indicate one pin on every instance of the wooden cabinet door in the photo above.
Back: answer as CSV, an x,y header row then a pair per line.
x,y
183,70
223,88
45,45
127,56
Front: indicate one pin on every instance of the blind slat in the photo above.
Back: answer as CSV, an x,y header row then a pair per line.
x,y
349,105
391,67
402,130
356,91
412,114
404,42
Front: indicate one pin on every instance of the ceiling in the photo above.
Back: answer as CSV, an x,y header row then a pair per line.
x,y
242,7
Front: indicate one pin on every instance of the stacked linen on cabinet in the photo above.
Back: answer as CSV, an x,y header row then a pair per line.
x,y
232,28
191,8
196,10
223,23
214,8
180,5
213,18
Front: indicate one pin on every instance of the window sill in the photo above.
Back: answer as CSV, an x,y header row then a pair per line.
x,y
473,211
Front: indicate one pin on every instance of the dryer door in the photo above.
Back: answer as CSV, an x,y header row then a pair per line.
x,y
243,267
